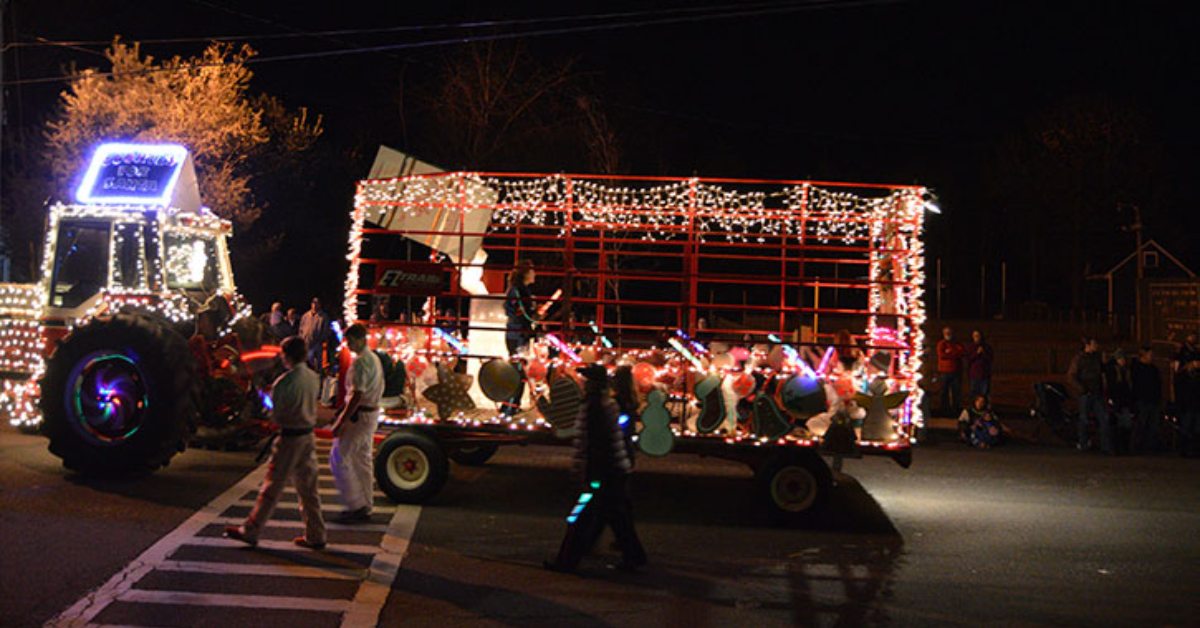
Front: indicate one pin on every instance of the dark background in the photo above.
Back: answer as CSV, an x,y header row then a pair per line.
x,y
946,94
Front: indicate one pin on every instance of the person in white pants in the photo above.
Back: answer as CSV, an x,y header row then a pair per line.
x,y
354,430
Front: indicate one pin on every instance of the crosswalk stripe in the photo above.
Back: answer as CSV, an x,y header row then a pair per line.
x,y
82,612
299,525
224,599
324,507
242,569
280,546
361,612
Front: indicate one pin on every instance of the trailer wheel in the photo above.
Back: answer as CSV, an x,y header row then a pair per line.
x,y
474,456
410,467
118,395
796,486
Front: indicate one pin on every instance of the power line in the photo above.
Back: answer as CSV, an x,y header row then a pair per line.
x,y
808,6
298,33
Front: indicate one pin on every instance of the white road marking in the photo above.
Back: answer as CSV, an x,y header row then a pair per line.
x,y
278,546
299,525
362,611
373,592
243,601
325,507
242,569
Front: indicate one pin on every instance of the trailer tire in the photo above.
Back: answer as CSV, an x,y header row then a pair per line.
x,y
119,396
410,467
796,486
474,456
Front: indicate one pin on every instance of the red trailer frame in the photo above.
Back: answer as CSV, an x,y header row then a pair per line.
x,y
811,263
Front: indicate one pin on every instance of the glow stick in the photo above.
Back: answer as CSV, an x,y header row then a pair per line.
x,y
603,338
563,348
546,306
678,346
696,346
455,343
825,360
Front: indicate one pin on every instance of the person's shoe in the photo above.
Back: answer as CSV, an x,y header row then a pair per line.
x,y
552,565
303,542
362,515
238,534
627,566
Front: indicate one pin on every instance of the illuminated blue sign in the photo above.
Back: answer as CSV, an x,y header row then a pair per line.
x,y
132,174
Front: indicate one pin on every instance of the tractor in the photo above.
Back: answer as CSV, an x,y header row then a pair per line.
x,y
135,342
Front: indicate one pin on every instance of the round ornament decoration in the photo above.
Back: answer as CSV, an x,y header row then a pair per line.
x,y
803,395
644,375
498,379
536,370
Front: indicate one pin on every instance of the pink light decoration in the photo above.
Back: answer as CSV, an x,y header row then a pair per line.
x,y
825,360
563,348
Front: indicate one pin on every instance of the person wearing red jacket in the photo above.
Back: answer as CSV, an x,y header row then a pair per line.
x,y
950,365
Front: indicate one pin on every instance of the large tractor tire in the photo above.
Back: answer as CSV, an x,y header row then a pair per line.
x,y
119,396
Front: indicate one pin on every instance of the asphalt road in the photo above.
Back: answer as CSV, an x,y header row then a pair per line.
x,y
1022,535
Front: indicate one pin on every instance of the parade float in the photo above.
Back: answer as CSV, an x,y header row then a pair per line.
x,y
96,355
767,322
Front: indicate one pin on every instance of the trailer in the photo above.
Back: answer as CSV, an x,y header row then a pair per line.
x,y
773,323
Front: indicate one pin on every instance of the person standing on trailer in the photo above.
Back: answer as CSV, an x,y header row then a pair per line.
x,y
602,459
354,430
979,356
519,328
293,454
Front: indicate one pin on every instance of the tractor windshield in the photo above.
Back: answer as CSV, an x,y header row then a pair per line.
x,y
80,263
191,262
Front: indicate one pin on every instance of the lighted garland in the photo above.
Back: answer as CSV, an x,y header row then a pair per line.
x,y
890,225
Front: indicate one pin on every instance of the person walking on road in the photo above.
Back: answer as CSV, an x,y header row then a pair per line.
x,y
354,430
293,454
602,460
315,330
950,366
979,358
1086,376
1147,401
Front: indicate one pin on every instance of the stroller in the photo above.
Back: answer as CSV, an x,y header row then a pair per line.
x,y
1050,399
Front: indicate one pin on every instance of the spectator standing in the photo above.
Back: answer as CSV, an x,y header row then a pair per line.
x,y
1187,392
979,356
284,328
602,461
354,430
1086,376
950,366
1147,400
293,454
1118,379
315,331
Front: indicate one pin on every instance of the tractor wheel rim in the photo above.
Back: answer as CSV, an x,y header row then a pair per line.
x,y
107,398
793,489
408,467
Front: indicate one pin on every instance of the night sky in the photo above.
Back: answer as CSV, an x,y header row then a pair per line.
x,y
900,92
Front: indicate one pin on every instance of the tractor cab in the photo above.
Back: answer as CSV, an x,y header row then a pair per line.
x,y
138,237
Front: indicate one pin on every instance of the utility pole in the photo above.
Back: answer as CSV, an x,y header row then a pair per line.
x,y
1136,228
